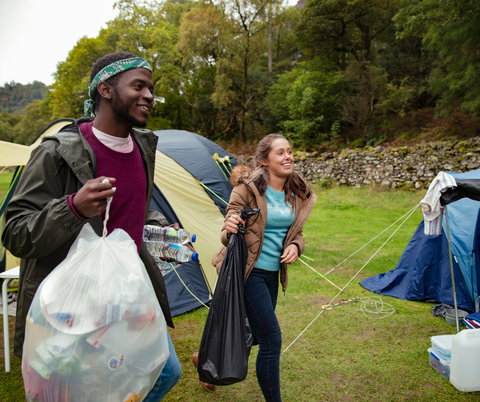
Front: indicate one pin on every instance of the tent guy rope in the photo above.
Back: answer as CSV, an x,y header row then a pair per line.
x,y
358,272
346,259
186,287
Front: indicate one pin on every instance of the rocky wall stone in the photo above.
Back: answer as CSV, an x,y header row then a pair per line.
x,y
409,167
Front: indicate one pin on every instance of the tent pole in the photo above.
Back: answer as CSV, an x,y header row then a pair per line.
x,y
451,269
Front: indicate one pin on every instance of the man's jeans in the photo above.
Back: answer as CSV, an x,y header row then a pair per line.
x,y
169,376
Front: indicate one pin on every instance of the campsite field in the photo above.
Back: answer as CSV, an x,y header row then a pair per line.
x,y
5,178
345,355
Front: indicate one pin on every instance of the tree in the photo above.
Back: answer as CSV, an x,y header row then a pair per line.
x,y
343,28
233,86
72,78
15,97
31,123
228,49
140,28
450,31
306,102
7,124
202,43
366,84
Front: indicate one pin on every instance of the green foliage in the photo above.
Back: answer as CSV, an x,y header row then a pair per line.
x,y
5,180
14,97
306,101
72,78
395,99
23,128
7,124
234,70
358,143
231,49
366,84
140,28
203,42
450,31
31,124
342,29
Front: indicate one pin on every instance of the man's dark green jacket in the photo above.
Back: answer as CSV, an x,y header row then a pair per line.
x,y
40,227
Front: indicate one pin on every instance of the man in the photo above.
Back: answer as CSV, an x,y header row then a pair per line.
x,y
62,188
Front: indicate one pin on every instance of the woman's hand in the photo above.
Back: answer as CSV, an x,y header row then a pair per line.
x,y
290,254
232,223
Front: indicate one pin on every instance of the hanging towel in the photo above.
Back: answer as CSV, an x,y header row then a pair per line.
x,y
431,208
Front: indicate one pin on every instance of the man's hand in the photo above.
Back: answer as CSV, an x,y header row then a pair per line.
x,y
175,225
91,199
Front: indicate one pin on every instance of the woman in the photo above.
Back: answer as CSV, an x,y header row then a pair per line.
x,y
274,239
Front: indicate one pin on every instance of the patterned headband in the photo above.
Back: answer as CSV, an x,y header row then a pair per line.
x,y
109,71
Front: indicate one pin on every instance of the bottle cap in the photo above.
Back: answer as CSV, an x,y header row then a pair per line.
x,y
194,237
195,256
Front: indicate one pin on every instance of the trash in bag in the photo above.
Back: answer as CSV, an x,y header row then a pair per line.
x,y
227,337
95,330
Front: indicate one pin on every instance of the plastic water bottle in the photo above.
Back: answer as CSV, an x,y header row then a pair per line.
x,y
184,237
167,234
181,253
171,252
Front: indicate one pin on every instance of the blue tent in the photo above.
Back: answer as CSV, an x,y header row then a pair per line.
x,y
423,272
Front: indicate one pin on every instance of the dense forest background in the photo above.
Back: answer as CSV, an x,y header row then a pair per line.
x,y
326,73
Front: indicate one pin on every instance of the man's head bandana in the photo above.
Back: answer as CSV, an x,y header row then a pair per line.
x,y
109,71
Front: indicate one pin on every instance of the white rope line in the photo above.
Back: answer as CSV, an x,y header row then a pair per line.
x,y
369,306
350,281
374,306
346,259
318,273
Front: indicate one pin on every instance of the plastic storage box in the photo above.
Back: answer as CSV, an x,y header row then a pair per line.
x,y
439,364
442,346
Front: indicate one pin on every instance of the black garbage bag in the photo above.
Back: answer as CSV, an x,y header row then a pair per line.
x,y
227,337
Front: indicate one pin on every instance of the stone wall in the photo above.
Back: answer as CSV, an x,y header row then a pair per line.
x,y
410,167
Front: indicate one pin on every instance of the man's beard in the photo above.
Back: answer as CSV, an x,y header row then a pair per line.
x,y
120,109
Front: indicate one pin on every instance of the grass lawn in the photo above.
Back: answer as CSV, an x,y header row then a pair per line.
x,y
345,355
5,178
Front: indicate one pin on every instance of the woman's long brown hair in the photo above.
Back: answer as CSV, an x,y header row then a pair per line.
x,y
294,184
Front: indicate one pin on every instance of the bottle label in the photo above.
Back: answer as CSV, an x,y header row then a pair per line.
x,y
171,232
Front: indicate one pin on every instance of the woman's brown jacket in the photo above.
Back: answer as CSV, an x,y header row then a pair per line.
x,y
250,187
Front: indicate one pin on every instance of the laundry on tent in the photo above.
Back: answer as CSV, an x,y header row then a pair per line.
x,y
423,272
191,187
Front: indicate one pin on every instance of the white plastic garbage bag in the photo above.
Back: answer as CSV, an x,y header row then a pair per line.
x,y
95,330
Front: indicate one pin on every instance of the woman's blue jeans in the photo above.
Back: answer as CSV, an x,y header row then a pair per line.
x,y
261,291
